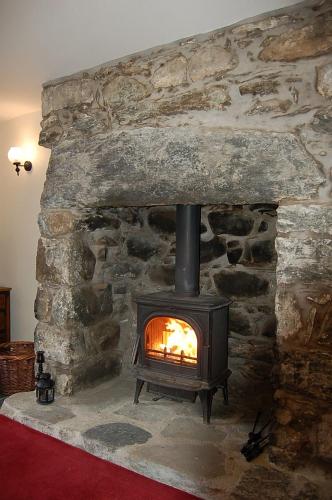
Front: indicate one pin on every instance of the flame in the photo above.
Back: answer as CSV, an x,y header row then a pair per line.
x,y
179,338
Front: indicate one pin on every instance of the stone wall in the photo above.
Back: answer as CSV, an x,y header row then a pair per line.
x,y
240,116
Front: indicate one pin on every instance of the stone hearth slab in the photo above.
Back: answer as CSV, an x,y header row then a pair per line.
x,y
161,439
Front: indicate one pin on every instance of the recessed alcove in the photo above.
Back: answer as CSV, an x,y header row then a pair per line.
x,y
134,250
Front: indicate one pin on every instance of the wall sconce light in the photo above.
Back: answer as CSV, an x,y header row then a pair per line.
x,y
15,156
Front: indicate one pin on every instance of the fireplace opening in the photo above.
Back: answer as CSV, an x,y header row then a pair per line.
x,y
171,340
135,251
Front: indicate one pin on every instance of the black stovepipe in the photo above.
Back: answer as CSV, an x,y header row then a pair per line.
x,y
188,222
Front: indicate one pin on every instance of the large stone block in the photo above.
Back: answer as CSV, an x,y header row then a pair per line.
x,y
260,87
290,322
313,39
234,254
269,106
70,378
73,306
177,101
43,303
142,247
262,251
304,315
64,261
240,283
194,165
122,89
231,222
212,97
212,249
123,270
210,60
171,72
324,80
87,372
305,250
312,219
239,321
54,223
57,223
162,220
103,336
304,261
91,220
322,121
67,94
262,25
52,130
62,346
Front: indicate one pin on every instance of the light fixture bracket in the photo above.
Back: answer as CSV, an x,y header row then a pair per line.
x,y
27,165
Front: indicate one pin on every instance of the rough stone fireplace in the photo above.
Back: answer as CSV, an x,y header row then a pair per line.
x,y
238,121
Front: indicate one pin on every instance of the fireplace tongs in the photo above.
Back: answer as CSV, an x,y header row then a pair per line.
x,y
257,442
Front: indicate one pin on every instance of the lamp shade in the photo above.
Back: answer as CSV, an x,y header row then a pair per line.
x,y
15,155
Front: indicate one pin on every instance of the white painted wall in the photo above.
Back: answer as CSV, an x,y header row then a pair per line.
x,y
45,39
19,208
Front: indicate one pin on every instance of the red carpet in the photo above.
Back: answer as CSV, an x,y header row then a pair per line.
x,y
34,466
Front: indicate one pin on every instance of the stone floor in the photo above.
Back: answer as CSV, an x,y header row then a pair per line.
x,y
167,441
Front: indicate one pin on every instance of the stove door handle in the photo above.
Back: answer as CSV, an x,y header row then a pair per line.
x,y
136,347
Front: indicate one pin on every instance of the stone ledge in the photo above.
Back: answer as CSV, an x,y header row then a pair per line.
x,y
112,404
89,421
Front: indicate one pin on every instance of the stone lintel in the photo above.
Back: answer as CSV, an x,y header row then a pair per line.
x,y
161,166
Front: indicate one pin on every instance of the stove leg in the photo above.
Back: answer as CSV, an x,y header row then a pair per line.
x,y
139,386
225,392
206,397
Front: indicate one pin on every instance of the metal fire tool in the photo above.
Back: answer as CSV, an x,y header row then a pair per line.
x,y
257,442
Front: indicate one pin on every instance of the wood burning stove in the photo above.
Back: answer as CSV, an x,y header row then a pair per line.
x,y
182,336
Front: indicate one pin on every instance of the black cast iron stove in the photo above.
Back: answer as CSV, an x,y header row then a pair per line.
x,y
182,336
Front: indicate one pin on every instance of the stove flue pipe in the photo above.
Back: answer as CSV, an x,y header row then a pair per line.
x,y
188,222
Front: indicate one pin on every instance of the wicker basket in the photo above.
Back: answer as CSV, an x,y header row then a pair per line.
x,y
17,367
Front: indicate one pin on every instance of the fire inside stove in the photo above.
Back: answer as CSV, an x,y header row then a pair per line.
x,y
172,340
